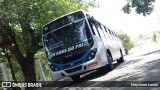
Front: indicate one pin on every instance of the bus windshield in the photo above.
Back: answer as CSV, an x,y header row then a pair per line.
x,y
67,38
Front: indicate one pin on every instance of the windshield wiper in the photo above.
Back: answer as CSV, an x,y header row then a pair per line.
x,y
57,39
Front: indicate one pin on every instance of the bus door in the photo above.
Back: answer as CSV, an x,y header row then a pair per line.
x,y
99,40
97,37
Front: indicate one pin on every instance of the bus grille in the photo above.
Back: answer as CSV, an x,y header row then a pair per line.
x,y
70,59
64,60
74,69
74,64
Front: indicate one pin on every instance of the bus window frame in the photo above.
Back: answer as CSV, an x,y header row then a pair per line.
x,y
99,29
93,25
90,24
104,31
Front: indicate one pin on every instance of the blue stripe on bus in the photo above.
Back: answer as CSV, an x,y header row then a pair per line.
x,y
83,58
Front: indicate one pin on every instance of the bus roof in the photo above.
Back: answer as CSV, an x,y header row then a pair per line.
x,y
64,16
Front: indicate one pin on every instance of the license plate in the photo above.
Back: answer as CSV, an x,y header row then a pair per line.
x,y
92,64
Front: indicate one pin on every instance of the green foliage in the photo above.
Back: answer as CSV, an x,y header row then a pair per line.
x,y
154,37
41,55
89,3
15,65
1,76
126,41
144,7
126,8
21,22
17,69
141,37
26,16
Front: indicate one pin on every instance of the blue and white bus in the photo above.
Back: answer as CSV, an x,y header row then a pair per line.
x,y
76,43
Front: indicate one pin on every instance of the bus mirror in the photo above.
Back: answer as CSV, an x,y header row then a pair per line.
x,y
91,18
88,16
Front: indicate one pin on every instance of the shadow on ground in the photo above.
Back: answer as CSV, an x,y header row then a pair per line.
x,y
149,71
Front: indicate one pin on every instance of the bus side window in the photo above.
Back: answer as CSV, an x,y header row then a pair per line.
x,y
100,30
110,33
91,27
116,36
96,25
104,31
94,28
113,35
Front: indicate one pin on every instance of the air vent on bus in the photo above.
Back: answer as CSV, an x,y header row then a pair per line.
x,y
74,69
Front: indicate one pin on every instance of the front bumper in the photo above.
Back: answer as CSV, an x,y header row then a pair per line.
x,y
79,69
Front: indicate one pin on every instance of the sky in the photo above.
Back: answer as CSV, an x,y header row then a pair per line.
x,y
110,14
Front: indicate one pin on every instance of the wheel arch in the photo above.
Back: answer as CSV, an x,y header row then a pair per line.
x,y
109,52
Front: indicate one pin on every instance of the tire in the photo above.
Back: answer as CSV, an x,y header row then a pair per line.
x,y
110,62
121,59
76,78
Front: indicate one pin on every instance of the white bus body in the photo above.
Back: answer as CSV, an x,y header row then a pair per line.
x,y
95,47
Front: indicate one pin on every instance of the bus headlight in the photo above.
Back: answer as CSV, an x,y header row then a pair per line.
x,y
53,68
92,54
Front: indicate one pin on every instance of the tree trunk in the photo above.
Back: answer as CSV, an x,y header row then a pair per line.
x,y
28,69
27,65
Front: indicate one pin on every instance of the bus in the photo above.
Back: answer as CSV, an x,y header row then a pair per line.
x,y
77,43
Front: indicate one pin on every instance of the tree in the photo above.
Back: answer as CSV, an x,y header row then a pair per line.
x,y
154,36
144,7
126,41
141,37
8,57
20,27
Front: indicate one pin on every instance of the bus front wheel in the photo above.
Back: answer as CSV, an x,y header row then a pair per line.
x,y
110,62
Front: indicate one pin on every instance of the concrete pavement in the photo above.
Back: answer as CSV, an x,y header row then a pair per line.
x,y
144,67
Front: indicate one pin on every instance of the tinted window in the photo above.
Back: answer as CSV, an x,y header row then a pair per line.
x,y
63,21
93,25
67,36
110,33
100,30
104,31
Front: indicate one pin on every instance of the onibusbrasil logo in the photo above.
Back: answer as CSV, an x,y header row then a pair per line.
x,y
13,84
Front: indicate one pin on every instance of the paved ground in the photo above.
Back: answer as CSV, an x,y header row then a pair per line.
x,y
144,67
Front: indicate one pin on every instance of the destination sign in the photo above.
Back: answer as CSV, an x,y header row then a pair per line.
x,y
74,47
